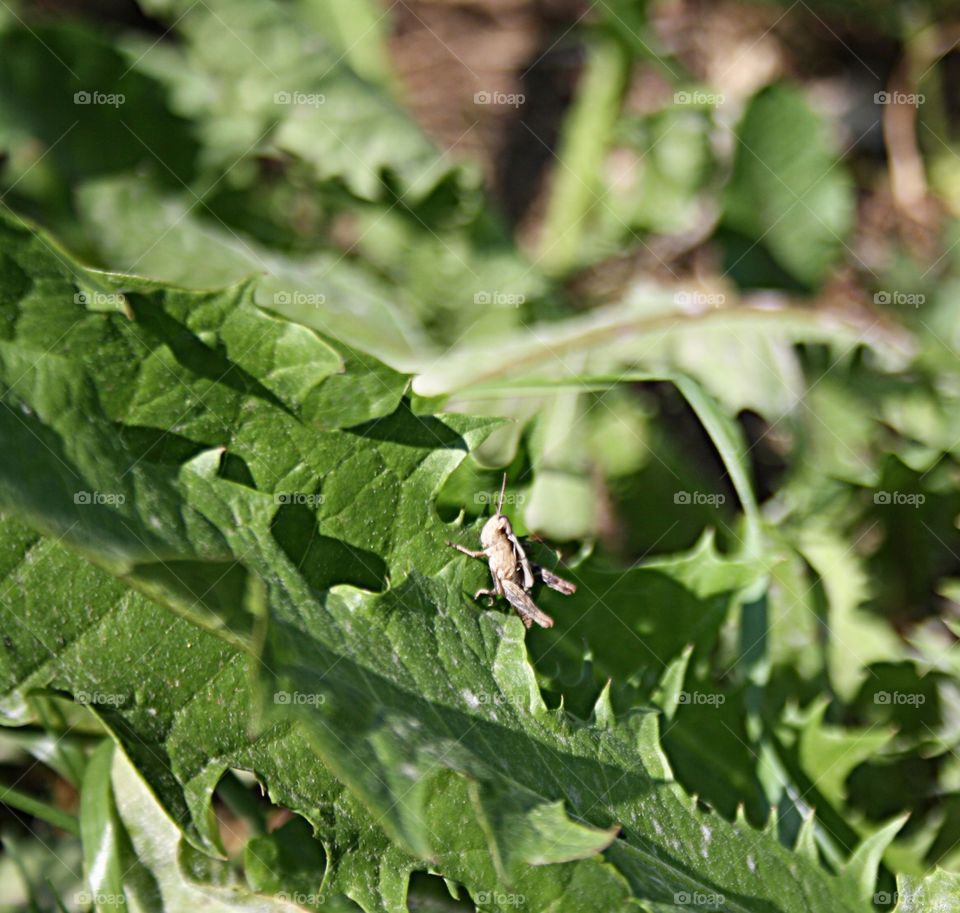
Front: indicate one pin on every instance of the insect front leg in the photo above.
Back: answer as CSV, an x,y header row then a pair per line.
x,y
467,551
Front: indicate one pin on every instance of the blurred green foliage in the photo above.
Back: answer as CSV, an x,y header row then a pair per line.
x,y
739,257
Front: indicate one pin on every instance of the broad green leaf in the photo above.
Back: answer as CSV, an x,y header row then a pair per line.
x,y
141,232
179,702
187,716
424,707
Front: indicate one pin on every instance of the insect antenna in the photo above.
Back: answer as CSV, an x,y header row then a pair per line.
x,y
503,488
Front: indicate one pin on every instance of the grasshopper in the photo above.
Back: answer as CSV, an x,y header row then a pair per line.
x,y
513,573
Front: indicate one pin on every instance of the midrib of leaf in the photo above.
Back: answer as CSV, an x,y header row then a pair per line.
x,y
471,367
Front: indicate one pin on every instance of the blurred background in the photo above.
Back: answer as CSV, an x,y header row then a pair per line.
x,y
762,195
662,185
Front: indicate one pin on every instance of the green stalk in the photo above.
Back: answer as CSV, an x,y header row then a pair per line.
x,y
33,806
360,27
584,142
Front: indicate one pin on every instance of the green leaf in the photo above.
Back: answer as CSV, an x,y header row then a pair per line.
x,y
685,600
653,332
273,82
287,858
724,434
788,190
669,690
40,103
102,833
829,753
587,133
17,798
931,894
856,638
865,862
424,707
178,700
171,876
137,230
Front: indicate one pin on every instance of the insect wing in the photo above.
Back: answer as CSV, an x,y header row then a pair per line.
x,y
522,560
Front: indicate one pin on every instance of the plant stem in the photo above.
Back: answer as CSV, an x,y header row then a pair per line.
x,y
15,798
584,143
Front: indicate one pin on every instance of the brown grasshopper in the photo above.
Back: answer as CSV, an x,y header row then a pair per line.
x,y
513,573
